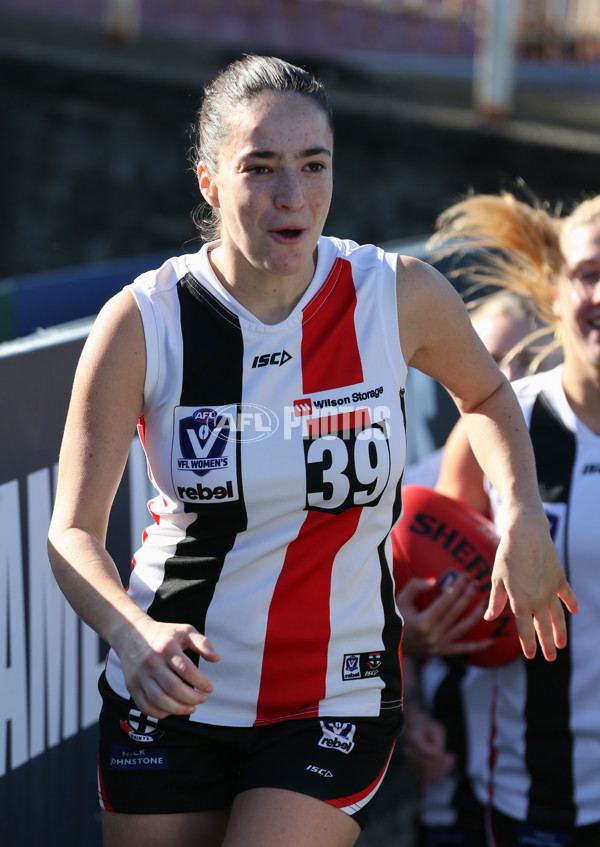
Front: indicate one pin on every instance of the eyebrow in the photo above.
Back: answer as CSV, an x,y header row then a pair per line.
x,y
302,154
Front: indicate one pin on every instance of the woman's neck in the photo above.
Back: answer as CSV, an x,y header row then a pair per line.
x,y
583,395
269,298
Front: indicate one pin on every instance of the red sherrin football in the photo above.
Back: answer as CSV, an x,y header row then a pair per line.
x,y
441,537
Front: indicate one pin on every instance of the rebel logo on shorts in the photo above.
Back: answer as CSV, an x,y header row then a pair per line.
x,y
362,665
337,735
141,727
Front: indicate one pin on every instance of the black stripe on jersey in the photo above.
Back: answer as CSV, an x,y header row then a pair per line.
x,y
391,671
448,708
212,373
549,743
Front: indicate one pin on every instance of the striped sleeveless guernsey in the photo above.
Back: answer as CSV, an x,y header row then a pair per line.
x,y
277,453
547,719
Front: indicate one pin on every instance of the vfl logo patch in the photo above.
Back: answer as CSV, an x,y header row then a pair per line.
x,y
124,759
337,736
203,437
204,448
362,665
141,727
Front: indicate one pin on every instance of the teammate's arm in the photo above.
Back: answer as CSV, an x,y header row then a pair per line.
x,y
437,338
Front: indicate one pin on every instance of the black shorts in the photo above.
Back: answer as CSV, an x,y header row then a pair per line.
x,y
148,766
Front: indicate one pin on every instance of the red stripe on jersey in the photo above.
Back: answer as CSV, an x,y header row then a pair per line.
x,y
330,354
356,799
141,428
342,422
294,664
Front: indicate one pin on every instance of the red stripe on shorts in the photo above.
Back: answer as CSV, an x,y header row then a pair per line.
x,y
103,799
358,800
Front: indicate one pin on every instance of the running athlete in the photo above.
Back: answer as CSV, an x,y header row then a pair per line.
x,y
545,741
252,692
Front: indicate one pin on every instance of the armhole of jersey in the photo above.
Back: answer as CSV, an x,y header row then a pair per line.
x,y
151,338
390,317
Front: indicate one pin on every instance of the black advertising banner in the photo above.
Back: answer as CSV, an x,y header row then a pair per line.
x,y
49,660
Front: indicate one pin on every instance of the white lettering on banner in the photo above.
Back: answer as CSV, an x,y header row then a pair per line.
x,y
13,661
49,660
53,633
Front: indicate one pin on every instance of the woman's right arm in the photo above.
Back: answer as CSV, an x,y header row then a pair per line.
x,y
105,405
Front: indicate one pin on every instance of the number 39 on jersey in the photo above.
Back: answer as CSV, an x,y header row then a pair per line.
x,y
347,461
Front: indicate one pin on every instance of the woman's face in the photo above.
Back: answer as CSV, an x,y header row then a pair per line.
x,y
273,185
577,296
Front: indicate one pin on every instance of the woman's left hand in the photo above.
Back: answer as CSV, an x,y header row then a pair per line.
x,y
528,573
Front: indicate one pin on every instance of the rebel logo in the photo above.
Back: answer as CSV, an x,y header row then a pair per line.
x,y
362,665
337,735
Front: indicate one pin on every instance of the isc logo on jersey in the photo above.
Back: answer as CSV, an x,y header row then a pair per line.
x,y
203,460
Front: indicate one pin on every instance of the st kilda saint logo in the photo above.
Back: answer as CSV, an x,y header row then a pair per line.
x,y
141,727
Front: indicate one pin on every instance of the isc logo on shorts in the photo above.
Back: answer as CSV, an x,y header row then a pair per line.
x,y
337,736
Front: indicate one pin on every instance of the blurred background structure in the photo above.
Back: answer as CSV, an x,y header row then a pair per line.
x,y
431,98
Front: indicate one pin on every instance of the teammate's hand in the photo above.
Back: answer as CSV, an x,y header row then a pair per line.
x,y
424,749
438,629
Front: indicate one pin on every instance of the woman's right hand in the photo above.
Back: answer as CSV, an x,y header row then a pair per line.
x,y
159,674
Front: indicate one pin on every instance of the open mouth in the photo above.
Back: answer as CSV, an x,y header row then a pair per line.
x,y
288,234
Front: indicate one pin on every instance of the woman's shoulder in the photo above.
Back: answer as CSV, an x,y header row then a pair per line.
x,y
164,278
360,255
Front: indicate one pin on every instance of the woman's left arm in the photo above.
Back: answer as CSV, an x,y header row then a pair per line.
x,y
438,339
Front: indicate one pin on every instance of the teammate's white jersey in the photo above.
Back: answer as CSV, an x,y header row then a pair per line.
x,y
547,720
460,696
277,451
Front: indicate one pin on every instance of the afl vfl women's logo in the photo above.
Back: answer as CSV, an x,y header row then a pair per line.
x,y
203,437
